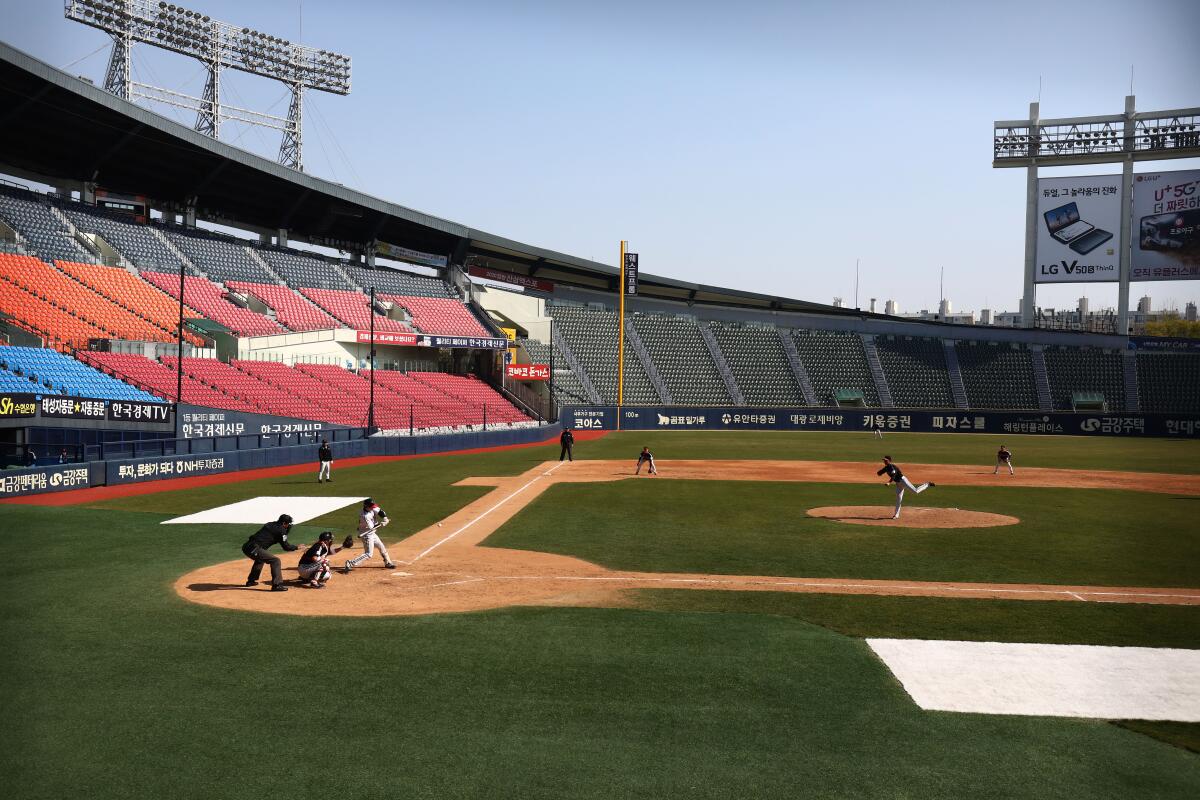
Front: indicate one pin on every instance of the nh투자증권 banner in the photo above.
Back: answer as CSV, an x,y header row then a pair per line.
x,y
1166,224
1079,229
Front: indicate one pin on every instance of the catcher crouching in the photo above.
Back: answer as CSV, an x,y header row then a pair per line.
x,y
314,564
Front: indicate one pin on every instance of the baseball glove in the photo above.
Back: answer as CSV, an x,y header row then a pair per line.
x,y
348,542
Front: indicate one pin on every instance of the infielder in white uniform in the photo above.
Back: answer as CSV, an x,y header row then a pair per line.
x,y
896,477
372,519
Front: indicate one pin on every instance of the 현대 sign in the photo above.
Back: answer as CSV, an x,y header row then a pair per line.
x,y
1079,224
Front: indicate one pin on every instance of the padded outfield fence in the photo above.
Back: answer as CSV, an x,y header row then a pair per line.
x,y
201,461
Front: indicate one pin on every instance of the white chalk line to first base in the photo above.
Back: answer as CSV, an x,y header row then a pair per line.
x,y
1054,680
510,496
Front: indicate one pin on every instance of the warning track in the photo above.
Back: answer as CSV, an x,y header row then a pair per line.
x,y
443,568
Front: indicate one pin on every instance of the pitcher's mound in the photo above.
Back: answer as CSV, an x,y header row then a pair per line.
x,y
913,517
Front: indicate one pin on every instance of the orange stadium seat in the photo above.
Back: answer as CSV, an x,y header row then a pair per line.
x,y
58,289
127,290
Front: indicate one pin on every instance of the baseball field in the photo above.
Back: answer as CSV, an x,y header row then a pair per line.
x,y
748,623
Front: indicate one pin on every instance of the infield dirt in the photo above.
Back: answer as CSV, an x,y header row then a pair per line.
x,y
444,569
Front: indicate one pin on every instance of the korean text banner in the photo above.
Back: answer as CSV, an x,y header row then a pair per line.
x,y
1166,224
1078,225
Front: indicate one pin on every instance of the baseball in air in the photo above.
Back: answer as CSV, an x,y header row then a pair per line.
x,y
439,524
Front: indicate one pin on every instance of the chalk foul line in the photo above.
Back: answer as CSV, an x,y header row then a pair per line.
x,y
513,494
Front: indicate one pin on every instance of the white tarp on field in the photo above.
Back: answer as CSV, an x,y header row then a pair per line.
x,y
1055,680
258,510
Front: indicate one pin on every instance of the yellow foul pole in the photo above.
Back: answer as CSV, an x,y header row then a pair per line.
x,y
621,339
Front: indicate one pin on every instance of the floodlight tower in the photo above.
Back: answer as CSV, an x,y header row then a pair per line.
x,y
217,45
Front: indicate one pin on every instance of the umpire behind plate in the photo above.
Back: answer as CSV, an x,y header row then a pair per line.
x,y
256,546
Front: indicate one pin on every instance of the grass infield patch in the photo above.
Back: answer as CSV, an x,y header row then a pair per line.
x,y
1066,536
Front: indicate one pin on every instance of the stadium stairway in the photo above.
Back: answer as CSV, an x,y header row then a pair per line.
x,y
723,369
957,390
563,349
797,366
639,350
1041,378
1132,395
877,375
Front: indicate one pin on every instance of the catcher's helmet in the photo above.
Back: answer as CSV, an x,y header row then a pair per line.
x,y
326,536
368,503
286,519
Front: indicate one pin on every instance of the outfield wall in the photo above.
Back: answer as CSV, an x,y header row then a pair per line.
x,y
726,418
39,480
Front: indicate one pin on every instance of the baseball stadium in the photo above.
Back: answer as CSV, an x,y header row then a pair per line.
x,y
654,538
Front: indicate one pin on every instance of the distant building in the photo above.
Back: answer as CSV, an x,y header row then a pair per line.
x,y
891,307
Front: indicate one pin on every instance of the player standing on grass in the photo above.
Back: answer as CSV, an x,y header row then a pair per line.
x,y
895,476
372,519
1003,457
567,440
325,456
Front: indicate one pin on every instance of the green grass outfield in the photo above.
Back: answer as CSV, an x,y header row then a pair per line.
x,y
114,687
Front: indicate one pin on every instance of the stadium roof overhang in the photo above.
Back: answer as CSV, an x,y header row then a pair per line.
x,y
63,129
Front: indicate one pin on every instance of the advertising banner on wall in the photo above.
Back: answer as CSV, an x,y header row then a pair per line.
x,y
36,480
529,372
1079,224
683,418
1166,224
386,337
511,277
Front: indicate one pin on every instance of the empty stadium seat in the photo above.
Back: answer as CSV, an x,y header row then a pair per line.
x,y
438,315
352,309
835,360
1169,382
592,336
305,270
916,371
290,308
997,375
50,372
1085,369
682,359
759,364
209,301
44,233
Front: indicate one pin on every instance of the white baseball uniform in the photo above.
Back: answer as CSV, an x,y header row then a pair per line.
x,y
368,523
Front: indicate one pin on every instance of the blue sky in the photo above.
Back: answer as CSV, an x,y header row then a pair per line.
x,y
764,145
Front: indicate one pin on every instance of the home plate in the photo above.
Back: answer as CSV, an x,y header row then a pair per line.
x,y
258,510
1052,680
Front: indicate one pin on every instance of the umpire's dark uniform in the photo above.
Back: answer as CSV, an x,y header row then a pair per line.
x,y
256,546
566,440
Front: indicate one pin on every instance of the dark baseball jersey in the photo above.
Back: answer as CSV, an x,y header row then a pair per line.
x,y
893,472
272,533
